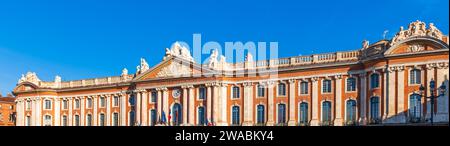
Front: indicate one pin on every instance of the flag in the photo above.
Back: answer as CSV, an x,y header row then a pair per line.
x,y
169,116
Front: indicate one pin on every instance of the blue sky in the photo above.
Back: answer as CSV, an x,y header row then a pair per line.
x,y
79,39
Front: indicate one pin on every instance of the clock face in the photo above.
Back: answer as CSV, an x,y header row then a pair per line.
x,y
176,93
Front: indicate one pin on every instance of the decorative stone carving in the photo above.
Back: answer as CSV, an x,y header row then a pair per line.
x,y
175,69
249,57
365,44
30,77
416,48
57,82
124,75
417,28
179,51
212,62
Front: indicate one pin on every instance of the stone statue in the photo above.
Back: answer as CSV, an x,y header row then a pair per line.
x,y
138,69
178,51
365,44
434,32
144,65
124,72
30,77
57,82
249,57
212,63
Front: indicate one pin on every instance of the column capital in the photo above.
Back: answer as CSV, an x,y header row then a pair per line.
x,y
315,79
337,77
247,84
291,81
442,65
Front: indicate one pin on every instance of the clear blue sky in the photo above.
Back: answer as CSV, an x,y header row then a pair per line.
x,y
85,39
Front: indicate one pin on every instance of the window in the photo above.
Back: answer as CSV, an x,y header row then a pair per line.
x,y
351,84
28,105
64,120
153,116
116,101
415,76
351,112
281,113
89,103
116,119
132,100
77,120
260,114
11,117
48,104
77,103
415,108
102,119
281,89
28,121
236,116
65,105
326,87
102,102
261,91
132,118
303,87
303,118
201,115
374,81
47,120
202,93
236,92
154,96
177,114
374,109
326,113
89,120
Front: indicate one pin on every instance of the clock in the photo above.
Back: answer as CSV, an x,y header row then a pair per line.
x,y
176,93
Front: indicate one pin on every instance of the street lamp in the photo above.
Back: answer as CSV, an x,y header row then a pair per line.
x,y
432,96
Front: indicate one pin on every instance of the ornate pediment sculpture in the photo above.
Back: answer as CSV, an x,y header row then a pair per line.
x,y
30,77
415,48
143,67
174,69
212,62
417,28
179,51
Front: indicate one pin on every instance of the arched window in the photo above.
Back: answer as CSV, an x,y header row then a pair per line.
x,y
261,91
281,89
64,120
116,119
153,116
48,120
236,92
303,118
177,114
132,118
282,114
351,84
88,120
351,112
415,108
77,120
415,76
201,115
326,113
260,114
374,110
236,116
326,87
374,80
102,119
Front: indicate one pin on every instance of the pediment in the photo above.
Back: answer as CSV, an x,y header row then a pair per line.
x,y
25,86
417,45
173,67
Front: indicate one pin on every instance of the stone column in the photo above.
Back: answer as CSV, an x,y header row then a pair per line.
x,y
159,103
69,120
248,104
185,105
166,102
292,121
338,107
108,109
386,94
138,107
363,98
191,105
430,76
144,108
82,106
442,101
223,121
94,100
123,107
315,102
270,117
401,95
208,102
215,105
57,111
391,95
39,111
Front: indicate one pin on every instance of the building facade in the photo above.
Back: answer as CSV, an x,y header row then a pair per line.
x,y
377,84
7,111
